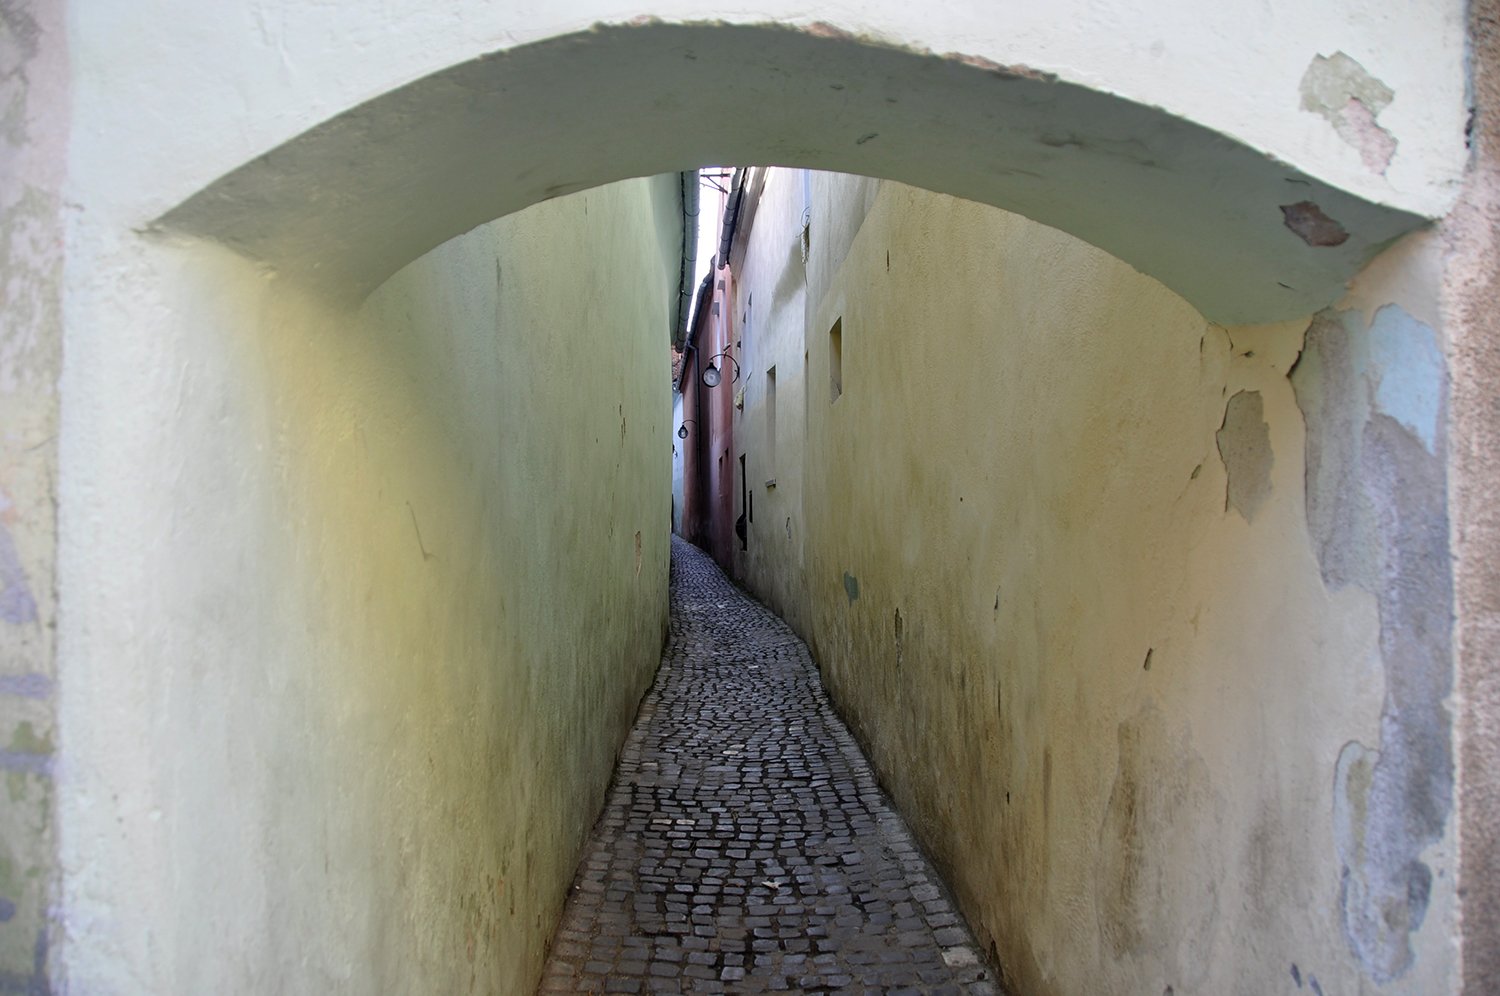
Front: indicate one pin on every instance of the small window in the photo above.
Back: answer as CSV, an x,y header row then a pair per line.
x,y
771,422
836,359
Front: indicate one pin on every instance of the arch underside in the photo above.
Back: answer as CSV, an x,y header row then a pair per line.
x,y
349,202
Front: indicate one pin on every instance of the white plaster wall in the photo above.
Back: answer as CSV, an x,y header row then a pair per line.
x,y
359,604
224,82
773,282
1103,673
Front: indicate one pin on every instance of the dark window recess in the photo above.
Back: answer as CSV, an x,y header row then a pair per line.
x,y
771,421
836,359
741,525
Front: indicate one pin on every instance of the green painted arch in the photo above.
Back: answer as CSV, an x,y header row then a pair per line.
x,y
347,203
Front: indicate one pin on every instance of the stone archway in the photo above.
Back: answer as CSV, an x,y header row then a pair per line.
x,y
1225,223
1241,235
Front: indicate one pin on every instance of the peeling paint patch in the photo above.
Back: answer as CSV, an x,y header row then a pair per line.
x,y
1356,125
1245,447
1374,402
1383,896
1343,92
851,586
1312,226
822,29
1012,72
1408,367
1334,399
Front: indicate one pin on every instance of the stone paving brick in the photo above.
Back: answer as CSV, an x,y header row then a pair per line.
x,y
745,846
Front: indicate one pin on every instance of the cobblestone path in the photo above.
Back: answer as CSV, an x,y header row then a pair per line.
x,y
745,846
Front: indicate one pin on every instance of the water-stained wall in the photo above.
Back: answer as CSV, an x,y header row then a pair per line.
x,y
381,647
1142,619
33,139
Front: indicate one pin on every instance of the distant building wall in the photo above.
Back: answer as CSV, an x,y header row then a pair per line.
x,y
694,448
679,447
770,296
712,472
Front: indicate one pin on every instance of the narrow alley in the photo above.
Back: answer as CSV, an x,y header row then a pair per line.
x,y
745,846
578,497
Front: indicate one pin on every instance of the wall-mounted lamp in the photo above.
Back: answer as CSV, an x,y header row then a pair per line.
x,y
682,430
712,377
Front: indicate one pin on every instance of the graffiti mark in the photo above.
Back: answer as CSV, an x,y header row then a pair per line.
x,y
26,686
17,606
418,530
25,763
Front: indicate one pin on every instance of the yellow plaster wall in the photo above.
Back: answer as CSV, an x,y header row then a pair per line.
x,y
384,647
1099,672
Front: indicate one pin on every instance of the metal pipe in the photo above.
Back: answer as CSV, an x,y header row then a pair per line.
x,y
688,189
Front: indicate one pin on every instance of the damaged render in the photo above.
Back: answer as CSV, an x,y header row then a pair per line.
x,y
1245,447
1375,405
1340,90
1312,225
